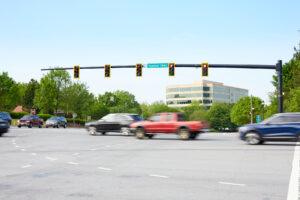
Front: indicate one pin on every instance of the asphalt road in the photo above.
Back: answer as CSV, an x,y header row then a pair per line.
x,y
70,164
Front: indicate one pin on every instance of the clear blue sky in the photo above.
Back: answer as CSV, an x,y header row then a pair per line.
x,y
39,34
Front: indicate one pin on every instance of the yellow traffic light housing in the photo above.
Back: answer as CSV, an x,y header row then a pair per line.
x,y
204,67
139,70
107,70
76,70
171,69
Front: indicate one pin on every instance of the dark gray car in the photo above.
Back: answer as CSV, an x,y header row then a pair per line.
x,y
5,116
56,122
116,122
4,126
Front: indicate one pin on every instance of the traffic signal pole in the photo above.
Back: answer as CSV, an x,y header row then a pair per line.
x,y
277,67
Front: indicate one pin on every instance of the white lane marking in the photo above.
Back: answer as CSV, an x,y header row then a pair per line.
x,y
103,168
107,146
158,176
294,178
49,158
93,149
75,154
23,150
26,166
235,184
17,146
34,154
73,163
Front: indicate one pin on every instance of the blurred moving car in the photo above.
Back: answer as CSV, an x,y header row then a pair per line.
x,y
5,116
4,126
117,122
278,127
56,122
30,121
169,123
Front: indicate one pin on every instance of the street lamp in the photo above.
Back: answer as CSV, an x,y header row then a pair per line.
x,y
263,109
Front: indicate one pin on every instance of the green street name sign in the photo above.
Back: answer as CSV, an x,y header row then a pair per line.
x,y
157,65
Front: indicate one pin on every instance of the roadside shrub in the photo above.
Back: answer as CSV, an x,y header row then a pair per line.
x,y
45,117
18,115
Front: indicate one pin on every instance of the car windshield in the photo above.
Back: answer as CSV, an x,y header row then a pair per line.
x,y
4,115
137,118
53,118
27,117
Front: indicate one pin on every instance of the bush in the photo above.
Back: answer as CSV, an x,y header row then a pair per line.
x,y
18,115
44,116
77,121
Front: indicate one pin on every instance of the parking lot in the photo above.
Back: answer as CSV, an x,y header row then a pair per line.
x,y
70,164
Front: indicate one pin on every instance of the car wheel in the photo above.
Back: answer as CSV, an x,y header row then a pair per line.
x,y
253,138
92,130
58,126
193,136
140,133
46,126
103,133
1,134
184,134
40,126
19,126
150,136
125,131
65,126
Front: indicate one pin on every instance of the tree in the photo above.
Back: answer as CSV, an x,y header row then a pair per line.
x,y
240,113
156,107
195,111
30,91
294,102
290,80
5,85
79,99
219,116
49,97
120,101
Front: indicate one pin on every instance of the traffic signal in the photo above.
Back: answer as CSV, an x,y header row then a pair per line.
x,y
204,67
76,70
139,69
107,71
171,69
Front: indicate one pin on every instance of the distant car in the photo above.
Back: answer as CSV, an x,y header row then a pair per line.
x,y
30,121
5,116
279,127
56,122
4,126
117,122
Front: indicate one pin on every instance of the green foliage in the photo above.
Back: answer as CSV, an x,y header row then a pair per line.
x,y
45,117
240,113
11,93
290,82
18,115
219,116
195,112
77,121
51,94
98,110
156,107
294,101
30,91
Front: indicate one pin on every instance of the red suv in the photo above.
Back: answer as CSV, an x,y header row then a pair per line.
x,y
30,121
